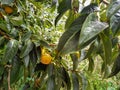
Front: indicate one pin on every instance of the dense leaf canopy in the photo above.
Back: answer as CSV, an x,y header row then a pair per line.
x,y
81,38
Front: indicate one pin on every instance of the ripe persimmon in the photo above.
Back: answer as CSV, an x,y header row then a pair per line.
x,y
45,59
8,9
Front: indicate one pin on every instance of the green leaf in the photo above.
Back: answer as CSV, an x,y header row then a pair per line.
x,y
75,81
15,71
113,8
75,57
69,40
93,7
90,51
114,41
17,21
115,22
64,5
83,14
51,69
51,83
26,48
8,2
51,78
48,24
71,17
84,81
78,21
103,67
44,44
90,29
91,64
107,47
65,76
26,36
11,50
116,66
2,39
75,5
3,26
26,60
54,3
107,71
35,55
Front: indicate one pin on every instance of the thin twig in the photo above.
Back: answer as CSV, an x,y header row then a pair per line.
x,y
105,2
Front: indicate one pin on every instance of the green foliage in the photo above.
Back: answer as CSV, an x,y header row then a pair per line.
x,y
83,41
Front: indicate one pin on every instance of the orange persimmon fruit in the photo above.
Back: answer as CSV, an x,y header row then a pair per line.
x,y
45,59
8,9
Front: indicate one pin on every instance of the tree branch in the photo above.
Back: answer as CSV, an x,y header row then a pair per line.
x,y
5,35
8,78
105,2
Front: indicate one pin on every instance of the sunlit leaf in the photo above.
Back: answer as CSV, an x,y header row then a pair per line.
x,y
16,21
113,8
115,22
11,50
91,28
67,39
93,7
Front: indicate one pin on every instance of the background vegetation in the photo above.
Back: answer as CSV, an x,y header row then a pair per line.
x,y
80,39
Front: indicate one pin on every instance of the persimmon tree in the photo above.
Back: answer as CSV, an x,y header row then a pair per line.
x,y
43,43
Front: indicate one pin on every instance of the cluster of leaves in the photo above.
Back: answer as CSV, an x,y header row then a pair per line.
x,y
90,32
